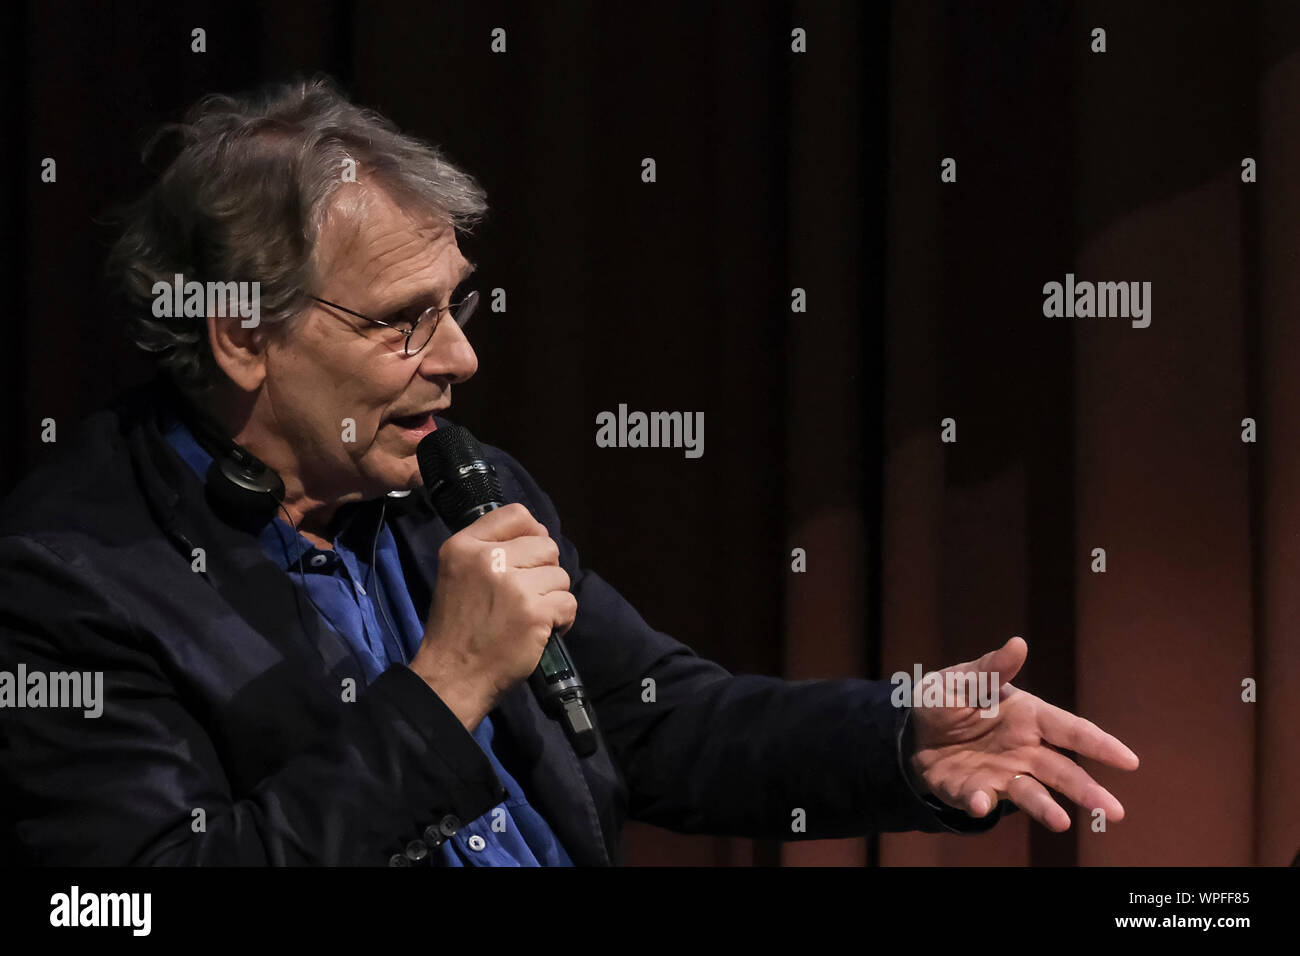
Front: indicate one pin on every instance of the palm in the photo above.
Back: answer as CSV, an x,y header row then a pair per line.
x,y
971,761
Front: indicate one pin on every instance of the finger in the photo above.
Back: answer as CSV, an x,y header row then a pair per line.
x,y
1065,776
1063,729
530,552
1032,797
979,794
543,580
564,608
504,523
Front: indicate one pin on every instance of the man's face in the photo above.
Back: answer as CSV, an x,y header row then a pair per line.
x,y
330,367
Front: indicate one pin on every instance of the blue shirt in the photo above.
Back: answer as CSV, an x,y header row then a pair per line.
x,y
364,603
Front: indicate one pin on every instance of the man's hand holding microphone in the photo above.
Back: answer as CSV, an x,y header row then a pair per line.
x,y
493,610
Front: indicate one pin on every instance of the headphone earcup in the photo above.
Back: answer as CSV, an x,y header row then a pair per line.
x,y
244,487
251,474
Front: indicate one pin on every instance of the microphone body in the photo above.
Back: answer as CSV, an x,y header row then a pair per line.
x,y
462,487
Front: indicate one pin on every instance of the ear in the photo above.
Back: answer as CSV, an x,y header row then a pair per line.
x,y
240,352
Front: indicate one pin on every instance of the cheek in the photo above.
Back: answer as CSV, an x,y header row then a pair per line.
x,y
313,410
338,431
354,420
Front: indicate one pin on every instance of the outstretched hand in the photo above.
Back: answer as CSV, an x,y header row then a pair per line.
x,y
971,761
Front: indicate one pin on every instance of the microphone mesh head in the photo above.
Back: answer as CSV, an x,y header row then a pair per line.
x,y
457,475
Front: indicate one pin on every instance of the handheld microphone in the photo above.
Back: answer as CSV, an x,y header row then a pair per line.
x,y
462,486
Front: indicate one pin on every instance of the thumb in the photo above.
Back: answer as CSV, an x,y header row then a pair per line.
x,y
1006,661
982,802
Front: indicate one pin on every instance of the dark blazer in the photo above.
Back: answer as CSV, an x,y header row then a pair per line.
x,y
224,693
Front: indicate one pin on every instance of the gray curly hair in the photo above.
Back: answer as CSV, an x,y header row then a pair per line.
x,y
244,198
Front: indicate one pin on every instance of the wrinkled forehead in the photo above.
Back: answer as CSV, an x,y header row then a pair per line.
x,y
367,229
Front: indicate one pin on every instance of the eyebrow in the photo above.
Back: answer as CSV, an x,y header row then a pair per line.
x,y
419,298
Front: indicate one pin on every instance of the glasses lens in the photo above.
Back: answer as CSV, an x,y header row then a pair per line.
x,y
428,322
465,310
423,331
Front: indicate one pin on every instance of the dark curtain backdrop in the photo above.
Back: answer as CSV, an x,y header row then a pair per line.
x,y
820,171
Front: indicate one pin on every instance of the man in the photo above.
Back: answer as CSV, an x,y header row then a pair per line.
x,y
300,663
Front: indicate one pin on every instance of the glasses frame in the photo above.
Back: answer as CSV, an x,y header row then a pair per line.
x,y
468,304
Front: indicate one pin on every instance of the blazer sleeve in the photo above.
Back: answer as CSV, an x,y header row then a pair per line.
x,y
125,787
706,751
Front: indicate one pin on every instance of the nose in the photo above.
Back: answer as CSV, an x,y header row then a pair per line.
x,y
448,354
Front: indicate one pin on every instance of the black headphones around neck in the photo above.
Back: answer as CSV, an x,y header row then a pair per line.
x,y
243,482
239,482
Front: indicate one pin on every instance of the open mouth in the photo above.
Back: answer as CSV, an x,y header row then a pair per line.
x,y
416,425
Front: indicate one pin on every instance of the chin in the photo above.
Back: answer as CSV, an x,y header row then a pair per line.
x,y
401,474
413,479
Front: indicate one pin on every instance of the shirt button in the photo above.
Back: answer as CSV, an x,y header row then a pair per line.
x,y
318,560
398,859
449,825
433,836
416,851
477,843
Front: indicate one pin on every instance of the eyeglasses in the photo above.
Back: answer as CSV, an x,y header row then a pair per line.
x,y
421,331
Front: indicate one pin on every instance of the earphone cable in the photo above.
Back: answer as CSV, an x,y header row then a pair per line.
x,y
302,573
376,596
